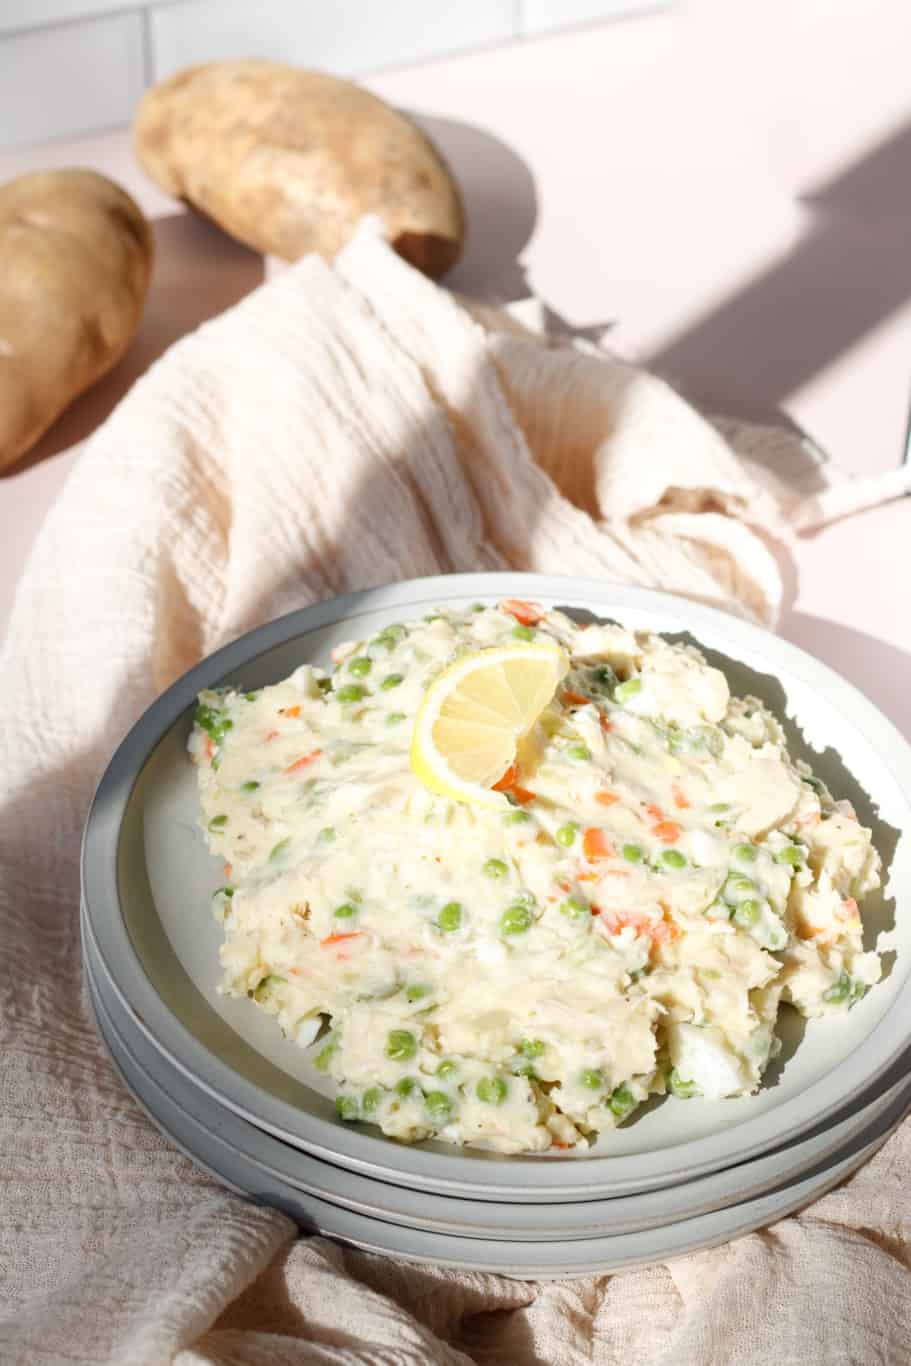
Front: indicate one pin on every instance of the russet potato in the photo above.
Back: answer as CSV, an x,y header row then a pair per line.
x,y
288,160
75,261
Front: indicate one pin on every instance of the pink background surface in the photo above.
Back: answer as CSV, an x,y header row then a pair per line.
x,y
725,190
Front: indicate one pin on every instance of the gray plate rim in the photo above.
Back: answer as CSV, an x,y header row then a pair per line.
x,y
458,1172
514,1222
559,1260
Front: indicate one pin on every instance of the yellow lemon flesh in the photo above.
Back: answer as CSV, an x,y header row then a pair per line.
x,y
476,711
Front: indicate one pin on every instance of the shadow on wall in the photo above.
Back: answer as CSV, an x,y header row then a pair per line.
x,y
501,208
197,271
850,271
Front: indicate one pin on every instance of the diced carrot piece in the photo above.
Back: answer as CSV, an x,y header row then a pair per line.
x,y
574,699
303,762
596,846
655,812
588,877
681,800
340,938
668,832
606,798
604,722
210,749
228,870
506,782
523,795
525,613
290,711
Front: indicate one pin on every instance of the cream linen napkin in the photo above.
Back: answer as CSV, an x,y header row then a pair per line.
x,y
341,428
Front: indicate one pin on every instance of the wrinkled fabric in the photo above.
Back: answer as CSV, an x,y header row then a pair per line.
x,y
343,427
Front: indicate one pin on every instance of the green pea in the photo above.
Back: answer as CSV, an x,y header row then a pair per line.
x,y
579,752
251,696
392,681
622,1102
683,1090
792,854
719,808
447,1067
624,691
346,1107
438,1103
401,1045
250,786
592,1078
218,822
516,818
395,718
224,891
672,858
745,853
495,867
370,1100
840,992
416,992
574,908
492,1090
405,1086
478,607
324,1056
747,914
739,886
533,1048
215,722
633,853
345,911
390,636
566,835
523,633
360,666
450,917
515,919
352,692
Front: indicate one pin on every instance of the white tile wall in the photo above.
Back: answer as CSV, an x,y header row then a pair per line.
x,y
24,14
347,36
71,66
70,79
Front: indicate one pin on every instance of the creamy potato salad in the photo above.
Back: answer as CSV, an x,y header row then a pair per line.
x,y
656,878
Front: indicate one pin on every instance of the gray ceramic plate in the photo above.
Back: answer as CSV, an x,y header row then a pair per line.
x,y
147,880
481,1218
220,1153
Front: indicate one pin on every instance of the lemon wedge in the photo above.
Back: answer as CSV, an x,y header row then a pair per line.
x,y
475,713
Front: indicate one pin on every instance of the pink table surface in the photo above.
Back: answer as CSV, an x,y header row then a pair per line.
x,y
724,189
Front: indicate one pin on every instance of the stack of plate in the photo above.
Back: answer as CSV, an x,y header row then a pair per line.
x,y
220,1081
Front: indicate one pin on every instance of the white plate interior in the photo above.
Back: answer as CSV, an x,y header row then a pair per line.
x,y
166,876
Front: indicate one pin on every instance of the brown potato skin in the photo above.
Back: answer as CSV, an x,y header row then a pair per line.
x,y
287,161
75,262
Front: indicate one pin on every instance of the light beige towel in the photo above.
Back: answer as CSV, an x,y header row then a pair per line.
x,y
341,428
